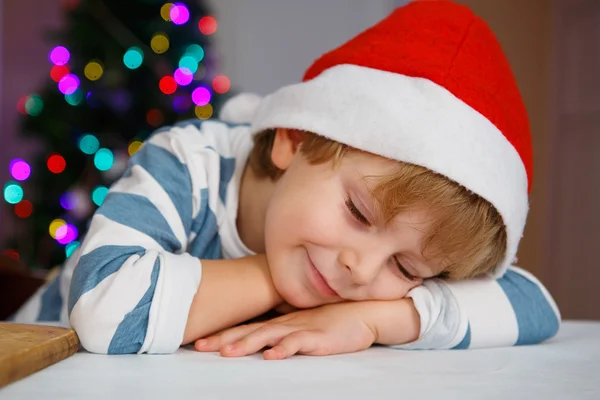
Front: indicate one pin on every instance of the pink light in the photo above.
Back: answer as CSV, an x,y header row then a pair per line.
x,y
201,96
19,169
66,234
179,14
183,76
59,55
68,84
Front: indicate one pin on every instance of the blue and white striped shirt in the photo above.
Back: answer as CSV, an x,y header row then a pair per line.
x,y
130,285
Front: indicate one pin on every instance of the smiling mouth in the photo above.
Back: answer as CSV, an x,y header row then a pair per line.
x,y
319,281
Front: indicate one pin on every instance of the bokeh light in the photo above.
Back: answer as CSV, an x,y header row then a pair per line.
x,y
93,70
68,201
167,85
66,234
134,147
183,76
68,84
58,72
155,117
74,98
196,51
179,14
165,11
59,55
188,62
133,57
201,96
23,209
207,25
89,144
54,225
19,169
204,112
221,84
34,105
103,159
181,104
99,194
159,43
13,192
71,247
56,163
93,99
12,254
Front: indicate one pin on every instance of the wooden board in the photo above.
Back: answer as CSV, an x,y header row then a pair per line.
x,y
25,349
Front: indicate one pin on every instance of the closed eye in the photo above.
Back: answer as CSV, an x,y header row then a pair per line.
x,y
356,213
403,270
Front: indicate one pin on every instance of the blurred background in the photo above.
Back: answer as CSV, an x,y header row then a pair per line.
x,y
83,82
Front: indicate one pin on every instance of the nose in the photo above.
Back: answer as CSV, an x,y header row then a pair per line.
x,y
363,268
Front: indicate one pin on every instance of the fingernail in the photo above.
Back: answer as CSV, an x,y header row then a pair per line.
x,y
201,342
229,347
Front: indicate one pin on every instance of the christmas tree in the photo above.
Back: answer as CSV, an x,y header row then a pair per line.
x,y
119,70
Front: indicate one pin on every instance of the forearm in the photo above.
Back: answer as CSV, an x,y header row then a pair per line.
x,y
394,322
230,292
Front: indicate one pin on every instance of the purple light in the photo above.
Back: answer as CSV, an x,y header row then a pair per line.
x,y
66,234
19,169
68,201
183,76
181,104
68,84
59,55
179,14
201,96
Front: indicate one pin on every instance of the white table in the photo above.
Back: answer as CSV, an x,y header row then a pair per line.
x,y
566,367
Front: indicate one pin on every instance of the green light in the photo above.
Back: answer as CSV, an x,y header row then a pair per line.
x,y
13,192
103,159
133,57
89,144
195,51
71,247
34,105
99,194
189,62
75,98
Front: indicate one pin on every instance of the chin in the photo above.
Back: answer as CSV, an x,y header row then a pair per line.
x,y
297,296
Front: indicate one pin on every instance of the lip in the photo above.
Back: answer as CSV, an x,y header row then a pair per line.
x,y
319,282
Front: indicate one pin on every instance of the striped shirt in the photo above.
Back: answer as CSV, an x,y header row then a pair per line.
x,y
129,287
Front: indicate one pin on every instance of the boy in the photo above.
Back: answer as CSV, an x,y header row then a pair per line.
x,y
404,155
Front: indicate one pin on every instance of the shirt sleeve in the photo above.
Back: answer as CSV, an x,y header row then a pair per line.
x,y
513,310
133,283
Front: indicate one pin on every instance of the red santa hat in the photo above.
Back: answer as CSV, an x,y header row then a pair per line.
x,y
428,85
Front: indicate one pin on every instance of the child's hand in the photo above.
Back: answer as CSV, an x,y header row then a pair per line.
x,y
330,329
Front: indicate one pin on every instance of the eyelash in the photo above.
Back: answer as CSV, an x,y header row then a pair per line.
x,y
361,218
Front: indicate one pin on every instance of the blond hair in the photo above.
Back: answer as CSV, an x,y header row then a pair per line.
x,y
468,235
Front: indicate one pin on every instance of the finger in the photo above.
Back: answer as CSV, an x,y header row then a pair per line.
x,y
225,337
268,335
303,342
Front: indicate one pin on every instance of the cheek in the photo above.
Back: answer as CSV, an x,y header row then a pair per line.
x,y
304,217
389,286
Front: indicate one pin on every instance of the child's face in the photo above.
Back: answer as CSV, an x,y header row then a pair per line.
x,y
319,251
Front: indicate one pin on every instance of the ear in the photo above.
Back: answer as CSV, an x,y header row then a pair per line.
x,y
285,145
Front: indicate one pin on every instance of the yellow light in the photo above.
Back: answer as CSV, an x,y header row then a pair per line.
x,y
55,225
165,11
204,112
159,43
93,71
134,147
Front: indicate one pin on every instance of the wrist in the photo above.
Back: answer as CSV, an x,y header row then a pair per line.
x,y
393,321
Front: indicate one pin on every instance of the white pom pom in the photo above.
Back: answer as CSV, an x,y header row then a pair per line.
x,y
240,109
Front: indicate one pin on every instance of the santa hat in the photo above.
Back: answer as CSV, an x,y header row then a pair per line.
x,y
428,85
